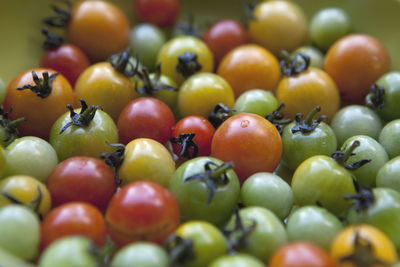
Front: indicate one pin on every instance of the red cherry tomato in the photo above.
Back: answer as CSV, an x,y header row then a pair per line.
x,y
142,211
74,218
162,13
203,130
67,59
82,179
146,117
225,35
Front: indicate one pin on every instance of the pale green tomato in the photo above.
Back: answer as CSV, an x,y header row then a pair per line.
x,y
390,138
19,231
389,174
256,101
237,260
9,260
268,190
32,156
316,56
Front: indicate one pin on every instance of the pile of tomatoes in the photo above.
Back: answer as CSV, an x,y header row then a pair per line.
x,y
274,142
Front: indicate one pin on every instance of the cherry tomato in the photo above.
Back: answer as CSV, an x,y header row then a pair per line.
x,y
301,254
388,175
388,138
99,28
355,62
25,190
40,109
142,211
19,231
256,101
250,67
82,179
224,35
236,260
250,141
362,245
278,25
145,117
200,94
186,53
73,218
146,160
316,56
203,134
162,13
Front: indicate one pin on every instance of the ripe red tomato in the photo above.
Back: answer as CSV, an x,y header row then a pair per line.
x,y
162,13
224,35
83,179
146,117
142,211
250,141
74,218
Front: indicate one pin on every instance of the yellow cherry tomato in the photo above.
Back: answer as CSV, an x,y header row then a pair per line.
x,y
200,94
304,91
102,85
363,245
278,25
176,47
26,190
146,160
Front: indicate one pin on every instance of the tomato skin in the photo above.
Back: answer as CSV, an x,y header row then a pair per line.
x,y
250,141
99,28
101,84
236,260
355,62
162,13
301,254
250,67
82,179
73,218
145,117
142,211
67,59
225,35
388,138
40,113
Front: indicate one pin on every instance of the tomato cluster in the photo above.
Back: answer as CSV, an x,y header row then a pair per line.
x,y
274,142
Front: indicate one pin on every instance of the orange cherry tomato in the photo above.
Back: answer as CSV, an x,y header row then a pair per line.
x,y
355,62
250,67
42,111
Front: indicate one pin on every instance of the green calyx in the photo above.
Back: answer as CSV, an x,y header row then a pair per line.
x,y
82,119
115,159
10,127
62,14
342,156
52,40
152,86
121,63
277,119
189,148
188,64
375,99
309,124
291,67
179,249
43,86
219,114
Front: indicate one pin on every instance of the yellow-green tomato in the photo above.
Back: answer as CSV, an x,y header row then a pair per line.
x,y
25,190
389,174
30,155
172,53
199,94
237,260
146,160
208,242
389,138
256,101
2,162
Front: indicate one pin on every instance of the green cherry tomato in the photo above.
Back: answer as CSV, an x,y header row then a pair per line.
x,y
316,56
382,210
313,224
321,179
389,174
3,91
256,101
32,156
328,25
389,138
386,105
237,260
269,191
355,120
208,242
143,254
145,41
266,237
369,149
303,139
89,139
71,251
2,162
19,231
211,196
10,260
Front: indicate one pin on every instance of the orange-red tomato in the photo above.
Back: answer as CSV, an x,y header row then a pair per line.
x,y
40,113
355,62
250,141
99,28
250,67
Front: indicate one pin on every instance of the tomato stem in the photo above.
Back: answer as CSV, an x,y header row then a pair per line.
x,y
375,99
291,67
185,140
219,114
277,119
115,159
121,62
342,156
363,199
309,124
151,86
179,249
188,64
61,16
82,119
52,40
189,27
43,86
10,127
